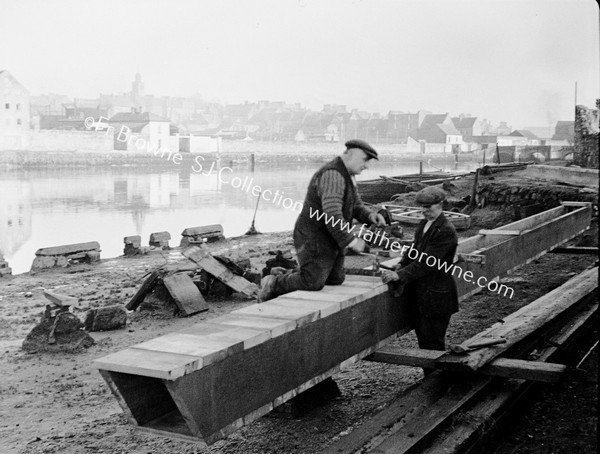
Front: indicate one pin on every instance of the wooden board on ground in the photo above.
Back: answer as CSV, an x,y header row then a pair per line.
x,y
188,298
201,255
499,367
148,285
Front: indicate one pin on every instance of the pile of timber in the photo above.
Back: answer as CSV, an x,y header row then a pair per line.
x,y
185,284
213,378
446,411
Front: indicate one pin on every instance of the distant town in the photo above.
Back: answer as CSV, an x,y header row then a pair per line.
x,y
27,120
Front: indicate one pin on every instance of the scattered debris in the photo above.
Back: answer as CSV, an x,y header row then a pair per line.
x,y
283,259
58,331
202,256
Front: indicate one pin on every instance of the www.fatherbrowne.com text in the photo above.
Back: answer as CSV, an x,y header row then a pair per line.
x,y
380,239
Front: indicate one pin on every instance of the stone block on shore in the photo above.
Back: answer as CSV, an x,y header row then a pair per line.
x,y
195,235
160,240
62,256
5,270
133,245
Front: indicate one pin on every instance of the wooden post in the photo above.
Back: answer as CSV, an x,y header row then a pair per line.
x,y
472,203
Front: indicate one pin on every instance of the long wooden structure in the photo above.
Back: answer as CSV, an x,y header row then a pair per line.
x,y
486,257
208,380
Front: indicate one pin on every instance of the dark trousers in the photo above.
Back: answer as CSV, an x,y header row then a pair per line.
x,y
431,332
320,263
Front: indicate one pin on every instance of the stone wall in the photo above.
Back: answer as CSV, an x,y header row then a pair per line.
x,y
543,194
587,136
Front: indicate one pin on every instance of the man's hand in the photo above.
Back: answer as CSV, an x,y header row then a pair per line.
x,y
377,219
358,245
389,276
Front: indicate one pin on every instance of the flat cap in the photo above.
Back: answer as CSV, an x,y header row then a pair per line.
x,y
430,195
364,146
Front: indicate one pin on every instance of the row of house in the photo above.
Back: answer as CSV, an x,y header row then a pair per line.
x,y
262,120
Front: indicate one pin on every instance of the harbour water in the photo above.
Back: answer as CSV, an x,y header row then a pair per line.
x,y
51,207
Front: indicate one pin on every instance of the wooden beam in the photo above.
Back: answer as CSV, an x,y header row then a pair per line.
x,y
235,368
61,300
499,367
523,322
410,406
500,232
147,285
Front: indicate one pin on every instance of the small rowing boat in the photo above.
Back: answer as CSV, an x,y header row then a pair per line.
x,y
414,215
384,188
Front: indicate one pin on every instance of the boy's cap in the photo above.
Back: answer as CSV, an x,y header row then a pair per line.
x,y
430,195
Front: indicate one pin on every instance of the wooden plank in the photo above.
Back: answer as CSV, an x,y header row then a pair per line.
x,y
301,315
325,308
135,361
201,255
499,367
412,404
248,336
499,232
273,326
147,286
188,298
61,300
523,322
411,437
208,348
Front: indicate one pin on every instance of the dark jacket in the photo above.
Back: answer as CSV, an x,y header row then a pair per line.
x,y
338,231
431,285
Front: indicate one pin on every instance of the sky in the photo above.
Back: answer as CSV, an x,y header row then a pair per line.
x,y
503,60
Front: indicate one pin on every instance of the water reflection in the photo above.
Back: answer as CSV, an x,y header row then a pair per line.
x,y
42,208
